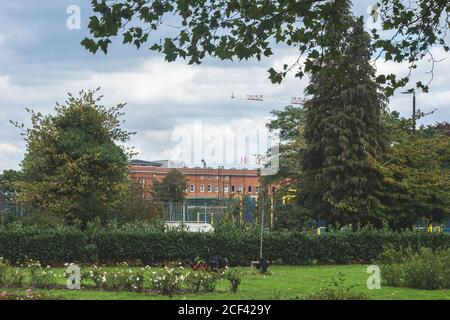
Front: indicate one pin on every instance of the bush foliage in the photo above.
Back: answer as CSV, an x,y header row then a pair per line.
x,y
422,269
339,291
153,245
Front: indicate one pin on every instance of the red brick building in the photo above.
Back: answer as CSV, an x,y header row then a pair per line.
x,y
219,183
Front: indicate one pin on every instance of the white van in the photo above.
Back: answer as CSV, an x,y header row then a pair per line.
x,y
192,226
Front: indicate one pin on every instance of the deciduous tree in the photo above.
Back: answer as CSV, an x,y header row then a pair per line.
x,y
75,165
243,29
170,189
416,174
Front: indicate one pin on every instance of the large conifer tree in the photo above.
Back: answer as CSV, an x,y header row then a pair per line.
x,y
344,131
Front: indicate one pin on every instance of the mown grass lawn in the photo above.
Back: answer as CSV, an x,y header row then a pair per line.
x,y
284,282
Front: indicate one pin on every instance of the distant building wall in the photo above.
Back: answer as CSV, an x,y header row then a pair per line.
x,y
204,182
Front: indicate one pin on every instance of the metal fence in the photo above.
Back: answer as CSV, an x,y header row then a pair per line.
x,y
192,210
8,211
201,213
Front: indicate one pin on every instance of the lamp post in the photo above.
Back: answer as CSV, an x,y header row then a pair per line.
x,y
261,235
414,108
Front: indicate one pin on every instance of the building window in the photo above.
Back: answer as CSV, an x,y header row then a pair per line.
x,y
209,177
209,188
257,189
249,189
216,188
240,189
202,188
227,177
192,187
225,188
233,189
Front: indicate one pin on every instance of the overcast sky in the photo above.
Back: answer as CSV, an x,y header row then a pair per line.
x,y
41,60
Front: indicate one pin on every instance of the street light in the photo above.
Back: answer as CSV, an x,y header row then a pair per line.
x,y
414,108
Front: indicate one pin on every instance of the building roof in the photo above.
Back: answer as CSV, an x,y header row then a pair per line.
x,y
143,163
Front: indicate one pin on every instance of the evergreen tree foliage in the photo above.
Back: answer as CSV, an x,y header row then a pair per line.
x,y
344,132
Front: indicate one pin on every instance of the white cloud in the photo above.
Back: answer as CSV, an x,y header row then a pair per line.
x,y
163,97
9,149
438,96
10,156
232,144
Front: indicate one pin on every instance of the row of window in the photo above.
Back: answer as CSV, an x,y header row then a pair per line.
x,y
211,188
226,188
215,177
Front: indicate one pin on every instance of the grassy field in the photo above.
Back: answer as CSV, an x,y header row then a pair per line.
x,y
284,282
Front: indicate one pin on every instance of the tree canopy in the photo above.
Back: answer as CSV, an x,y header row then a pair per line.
x,y
8,191
172,188
416,174
289,125
243,29
344,132
74,166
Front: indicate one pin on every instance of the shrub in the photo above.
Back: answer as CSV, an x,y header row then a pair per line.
x,y
116,280
168,281
40,278
27,295
234,276
14,278
134,242
4,266
10,277
241,248
338,291
48,245
194,280
422,269
210,281
201,279
98,276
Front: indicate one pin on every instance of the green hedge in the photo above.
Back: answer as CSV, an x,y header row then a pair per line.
x,y
48,246
54,246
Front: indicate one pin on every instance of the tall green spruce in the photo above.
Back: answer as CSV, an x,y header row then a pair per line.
x,y
344,132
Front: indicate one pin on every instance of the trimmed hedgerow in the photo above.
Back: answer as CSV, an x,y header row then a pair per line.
x,y
49,246
59,245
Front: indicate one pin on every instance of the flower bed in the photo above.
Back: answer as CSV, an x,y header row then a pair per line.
x,y
169,280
